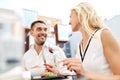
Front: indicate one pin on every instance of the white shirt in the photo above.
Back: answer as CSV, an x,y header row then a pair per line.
x,y
31,58
95,60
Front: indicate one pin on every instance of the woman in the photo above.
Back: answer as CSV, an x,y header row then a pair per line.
x,y
98,53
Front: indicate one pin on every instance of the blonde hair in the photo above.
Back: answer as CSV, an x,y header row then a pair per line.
x,y
88,17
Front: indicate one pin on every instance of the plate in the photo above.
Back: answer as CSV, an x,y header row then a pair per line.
x,y
52,78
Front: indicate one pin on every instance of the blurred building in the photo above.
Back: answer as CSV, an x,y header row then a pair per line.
x,y
114,25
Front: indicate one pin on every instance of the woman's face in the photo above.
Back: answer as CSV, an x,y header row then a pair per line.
x,y
74,22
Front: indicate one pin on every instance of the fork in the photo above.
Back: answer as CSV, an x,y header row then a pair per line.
x,y
44,59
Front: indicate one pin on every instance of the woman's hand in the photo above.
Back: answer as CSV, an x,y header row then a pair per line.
x,y
74,64
51,68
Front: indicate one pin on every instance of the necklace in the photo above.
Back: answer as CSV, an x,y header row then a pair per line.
x,y
83,55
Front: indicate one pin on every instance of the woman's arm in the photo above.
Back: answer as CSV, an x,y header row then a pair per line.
x,y
75,65
111,50
94,76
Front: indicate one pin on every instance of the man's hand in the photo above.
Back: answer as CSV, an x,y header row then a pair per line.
x,y
51,68
37,66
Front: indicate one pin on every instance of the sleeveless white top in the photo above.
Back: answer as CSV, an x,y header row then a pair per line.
x,y
95,60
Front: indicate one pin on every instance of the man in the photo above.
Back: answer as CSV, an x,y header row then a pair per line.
x,y
42,56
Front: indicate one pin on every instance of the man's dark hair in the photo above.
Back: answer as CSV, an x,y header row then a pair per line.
x,y
38,21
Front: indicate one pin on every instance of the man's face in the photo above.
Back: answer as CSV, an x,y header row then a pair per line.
x,y
39,32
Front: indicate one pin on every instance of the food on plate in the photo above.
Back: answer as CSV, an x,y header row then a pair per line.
x,y
49,74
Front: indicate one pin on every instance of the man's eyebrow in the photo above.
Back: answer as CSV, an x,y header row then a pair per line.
x,y
41,27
